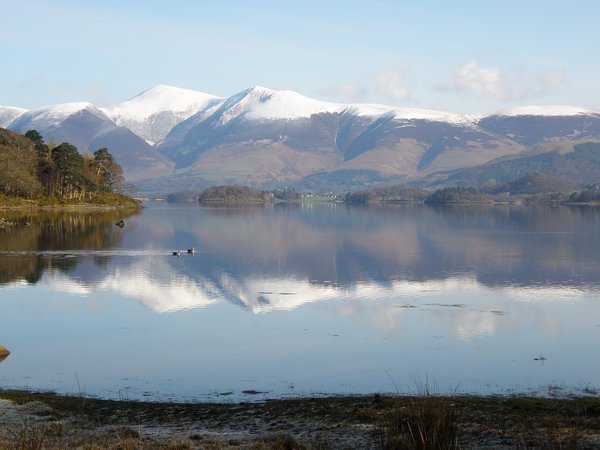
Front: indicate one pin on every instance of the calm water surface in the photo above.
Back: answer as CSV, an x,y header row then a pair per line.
x,y
296,301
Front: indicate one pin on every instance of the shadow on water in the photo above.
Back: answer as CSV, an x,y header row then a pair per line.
x,y
31,233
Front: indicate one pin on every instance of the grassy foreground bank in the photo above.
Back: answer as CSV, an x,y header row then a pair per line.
x,y
99,200
46,420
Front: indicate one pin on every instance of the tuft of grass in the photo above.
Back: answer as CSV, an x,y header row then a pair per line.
x,y
29,438
277,441
427,422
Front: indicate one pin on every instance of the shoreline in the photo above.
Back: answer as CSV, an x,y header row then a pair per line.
x,y
82,207
318,422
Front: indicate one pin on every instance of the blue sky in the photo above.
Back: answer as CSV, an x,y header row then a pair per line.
x,y
463,56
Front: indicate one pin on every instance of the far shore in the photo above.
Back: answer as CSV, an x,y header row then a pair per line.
x,y
336,422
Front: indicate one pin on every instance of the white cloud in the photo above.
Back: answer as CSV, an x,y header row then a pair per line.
x,y
481,81
389,83
384,86
501,84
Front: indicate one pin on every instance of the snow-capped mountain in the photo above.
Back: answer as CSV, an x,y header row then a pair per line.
x,y
263,136
88,128
267,137
259,103
535,124
76,122
154,112
8,114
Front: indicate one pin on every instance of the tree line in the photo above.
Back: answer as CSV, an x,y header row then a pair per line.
x,y
31,168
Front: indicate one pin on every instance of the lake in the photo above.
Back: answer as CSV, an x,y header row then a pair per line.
x,y
303,300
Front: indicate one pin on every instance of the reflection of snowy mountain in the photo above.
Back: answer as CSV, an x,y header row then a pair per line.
x,y
159,287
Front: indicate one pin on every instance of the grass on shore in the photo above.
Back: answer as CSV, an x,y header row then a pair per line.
x,y
98,199
424,421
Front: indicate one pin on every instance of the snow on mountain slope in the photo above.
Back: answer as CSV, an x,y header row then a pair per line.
x,y
260,104
76,123
263,103
154,112
546,110
52,116
374,110
8,114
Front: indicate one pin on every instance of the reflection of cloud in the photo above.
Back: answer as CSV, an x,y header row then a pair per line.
x,y
59,282
469,324
544,294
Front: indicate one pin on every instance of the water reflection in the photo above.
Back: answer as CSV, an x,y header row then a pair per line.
x,y
280,258
469,295
31,243
3,353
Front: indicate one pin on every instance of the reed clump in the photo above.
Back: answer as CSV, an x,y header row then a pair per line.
x,y
426,422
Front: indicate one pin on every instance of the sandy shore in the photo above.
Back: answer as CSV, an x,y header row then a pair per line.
x,y
311,423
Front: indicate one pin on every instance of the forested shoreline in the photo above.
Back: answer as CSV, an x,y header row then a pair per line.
x,y
36,173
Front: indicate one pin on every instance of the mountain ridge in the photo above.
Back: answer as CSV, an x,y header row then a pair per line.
x,y
167,136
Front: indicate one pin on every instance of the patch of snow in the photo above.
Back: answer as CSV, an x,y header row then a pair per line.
x,y
546,110
371,110
259,103
286,105
55,114
8,114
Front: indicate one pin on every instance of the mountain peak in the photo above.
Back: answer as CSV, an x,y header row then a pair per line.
x,y
258,103
260,90
54,114
157,99
154,112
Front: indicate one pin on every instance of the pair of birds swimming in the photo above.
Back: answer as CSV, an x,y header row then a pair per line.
x,y
191,251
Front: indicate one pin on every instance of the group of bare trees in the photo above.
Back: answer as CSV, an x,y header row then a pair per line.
x,y
30,168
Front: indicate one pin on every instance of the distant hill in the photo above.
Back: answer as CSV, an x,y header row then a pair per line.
x,y
537,183
576,162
